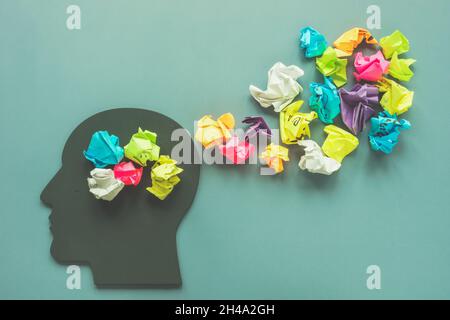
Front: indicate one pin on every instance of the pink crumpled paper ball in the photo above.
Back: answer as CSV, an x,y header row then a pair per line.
x,y
370,68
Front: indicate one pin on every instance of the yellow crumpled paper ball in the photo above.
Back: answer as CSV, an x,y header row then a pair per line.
x,y
274,155
212,132
351,39
396,99
396,42
339,143
294,125
164,177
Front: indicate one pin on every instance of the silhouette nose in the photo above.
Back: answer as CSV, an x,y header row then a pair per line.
x,y
49,191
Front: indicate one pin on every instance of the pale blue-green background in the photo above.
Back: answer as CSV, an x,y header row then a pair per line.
x,y
246,236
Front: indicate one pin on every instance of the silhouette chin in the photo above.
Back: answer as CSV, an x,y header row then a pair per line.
x,y
54,254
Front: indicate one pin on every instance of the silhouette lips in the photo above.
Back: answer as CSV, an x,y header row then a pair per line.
x,y
50,219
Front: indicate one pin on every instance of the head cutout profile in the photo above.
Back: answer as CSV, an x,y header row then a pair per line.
x,y
130,241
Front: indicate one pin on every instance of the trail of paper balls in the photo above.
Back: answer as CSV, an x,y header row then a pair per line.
x,y
327,102
104,150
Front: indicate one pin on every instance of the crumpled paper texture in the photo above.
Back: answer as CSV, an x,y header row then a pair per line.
x,y
325,100
257,126
212,132
396,42
103,185
331,66
127,173
237,151
274,155
104,150
282,87
164,177
313,42
400,68
356,106
142,147
294,125
315,161
385,131
370,68
351,39
396,98
339,143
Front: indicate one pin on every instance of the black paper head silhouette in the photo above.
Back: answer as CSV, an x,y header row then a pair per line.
x,y
130,241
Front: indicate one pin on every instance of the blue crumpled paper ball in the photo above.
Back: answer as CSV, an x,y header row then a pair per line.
x,y
385,131
313,41
104,150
